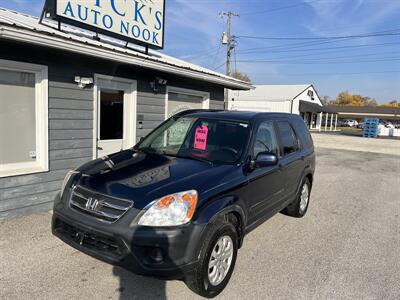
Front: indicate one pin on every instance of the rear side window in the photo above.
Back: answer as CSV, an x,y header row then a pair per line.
x,y
288,139
303,133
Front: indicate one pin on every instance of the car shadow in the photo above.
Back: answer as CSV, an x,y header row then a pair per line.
x,y
132,286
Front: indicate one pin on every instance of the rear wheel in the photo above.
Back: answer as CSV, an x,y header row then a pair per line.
x,y
299,207
217,261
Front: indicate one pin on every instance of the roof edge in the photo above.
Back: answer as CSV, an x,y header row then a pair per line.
x,y
50,41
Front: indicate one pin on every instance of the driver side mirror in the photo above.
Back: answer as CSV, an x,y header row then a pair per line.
x,y
265,159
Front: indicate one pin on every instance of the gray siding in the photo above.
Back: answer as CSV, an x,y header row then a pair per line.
x,y
71,118
70,145
216,104
150,112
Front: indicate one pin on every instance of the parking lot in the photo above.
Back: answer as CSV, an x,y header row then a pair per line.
x,y
347,246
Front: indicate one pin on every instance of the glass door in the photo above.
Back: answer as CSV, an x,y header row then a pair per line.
x,y
115,117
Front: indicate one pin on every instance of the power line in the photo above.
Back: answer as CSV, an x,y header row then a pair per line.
x,y
316,43
278,8
214,61
219,66
316,62
301,45
261,49
318,38
312,74
201,53
337,57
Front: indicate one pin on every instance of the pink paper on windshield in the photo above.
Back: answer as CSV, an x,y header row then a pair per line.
x,y
200,137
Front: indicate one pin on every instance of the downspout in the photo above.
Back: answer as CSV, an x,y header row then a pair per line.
x,y
291,106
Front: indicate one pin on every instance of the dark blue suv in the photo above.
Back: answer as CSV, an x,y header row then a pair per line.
x,y
179,204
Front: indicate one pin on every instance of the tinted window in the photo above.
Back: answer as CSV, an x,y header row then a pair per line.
x,y
287,137
111,115
217,141
265,139
303,133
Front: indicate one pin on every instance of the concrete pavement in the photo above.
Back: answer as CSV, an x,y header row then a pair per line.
x,y
355,143
347,247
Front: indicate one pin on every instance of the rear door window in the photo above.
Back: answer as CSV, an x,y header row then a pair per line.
x,y
287,137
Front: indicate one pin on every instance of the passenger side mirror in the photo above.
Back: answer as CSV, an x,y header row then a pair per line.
x,y
265,159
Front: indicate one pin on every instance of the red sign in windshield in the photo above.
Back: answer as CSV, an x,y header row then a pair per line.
x,y
200,137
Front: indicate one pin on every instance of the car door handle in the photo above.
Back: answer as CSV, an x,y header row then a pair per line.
x,y
99,148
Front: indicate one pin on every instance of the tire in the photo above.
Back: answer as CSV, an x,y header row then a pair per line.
x,y
298,208
199,280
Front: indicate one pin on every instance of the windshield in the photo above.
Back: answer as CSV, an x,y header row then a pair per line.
x,y
216,141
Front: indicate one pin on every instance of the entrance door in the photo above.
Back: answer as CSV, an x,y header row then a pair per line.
x,y
179,100
116,115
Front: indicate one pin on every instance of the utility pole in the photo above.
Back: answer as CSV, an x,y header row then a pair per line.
x,y
228,40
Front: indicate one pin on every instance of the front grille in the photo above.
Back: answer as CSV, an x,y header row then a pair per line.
x,y
101,206
106,245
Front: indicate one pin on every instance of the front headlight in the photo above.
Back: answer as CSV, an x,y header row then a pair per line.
x,y
172,210
66,180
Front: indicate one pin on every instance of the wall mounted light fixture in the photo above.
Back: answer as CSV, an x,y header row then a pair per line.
x,y
83,81
154,85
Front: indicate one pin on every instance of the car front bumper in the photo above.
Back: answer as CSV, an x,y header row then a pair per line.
x,y
167,253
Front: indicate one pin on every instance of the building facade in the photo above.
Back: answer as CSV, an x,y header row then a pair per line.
x,y
297,99
66,98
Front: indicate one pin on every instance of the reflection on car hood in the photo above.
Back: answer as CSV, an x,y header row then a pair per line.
x,y
145,177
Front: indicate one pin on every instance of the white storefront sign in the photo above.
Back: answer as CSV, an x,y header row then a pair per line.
x,y
140,20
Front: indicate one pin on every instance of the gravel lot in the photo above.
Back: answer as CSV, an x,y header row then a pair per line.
x,y
347,247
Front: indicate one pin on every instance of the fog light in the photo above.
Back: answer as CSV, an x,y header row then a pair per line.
x,y
156,255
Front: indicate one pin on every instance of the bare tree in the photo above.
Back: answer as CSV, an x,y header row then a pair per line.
x,y
241,76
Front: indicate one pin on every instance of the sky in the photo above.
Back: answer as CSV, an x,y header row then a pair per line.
x,y
336,45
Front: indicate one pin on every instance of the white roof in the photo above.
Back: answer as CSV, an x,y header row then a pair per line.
x,y
276,92
25,28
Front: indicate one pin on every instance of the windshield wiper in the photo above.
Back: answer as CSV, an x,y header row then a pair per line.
x,y
194,158
148,150
153,150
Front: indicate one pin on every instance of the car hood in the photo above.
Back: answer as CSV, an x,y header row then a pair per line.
x,y
145,177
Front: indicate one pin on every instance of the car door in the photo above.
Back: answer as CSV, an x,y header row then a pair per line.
x,y
291,163
265,184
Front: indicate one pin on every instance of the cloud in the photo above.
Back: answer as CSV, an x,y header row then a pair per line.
x,y
349,16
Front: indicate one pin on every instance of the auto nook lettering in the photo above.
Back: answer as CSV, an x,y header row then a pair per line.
x,y
140,20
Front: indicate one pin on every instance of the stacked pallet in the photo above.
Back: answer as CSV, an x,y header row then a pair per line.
x,y
370,127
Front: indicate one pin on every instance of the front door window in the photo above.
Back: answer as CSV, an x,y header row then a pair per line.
x,y
266,140
111,115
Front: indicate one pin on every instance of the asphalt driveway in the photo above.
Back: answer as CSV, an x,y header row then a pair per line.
x,y
347,247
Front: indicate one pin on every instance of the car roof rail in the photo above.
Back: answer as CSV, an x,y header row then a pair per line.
x,y
192,111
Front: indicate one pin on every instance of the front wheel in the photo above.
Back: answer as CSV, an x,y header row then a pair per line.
x,y
299,207
217,261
